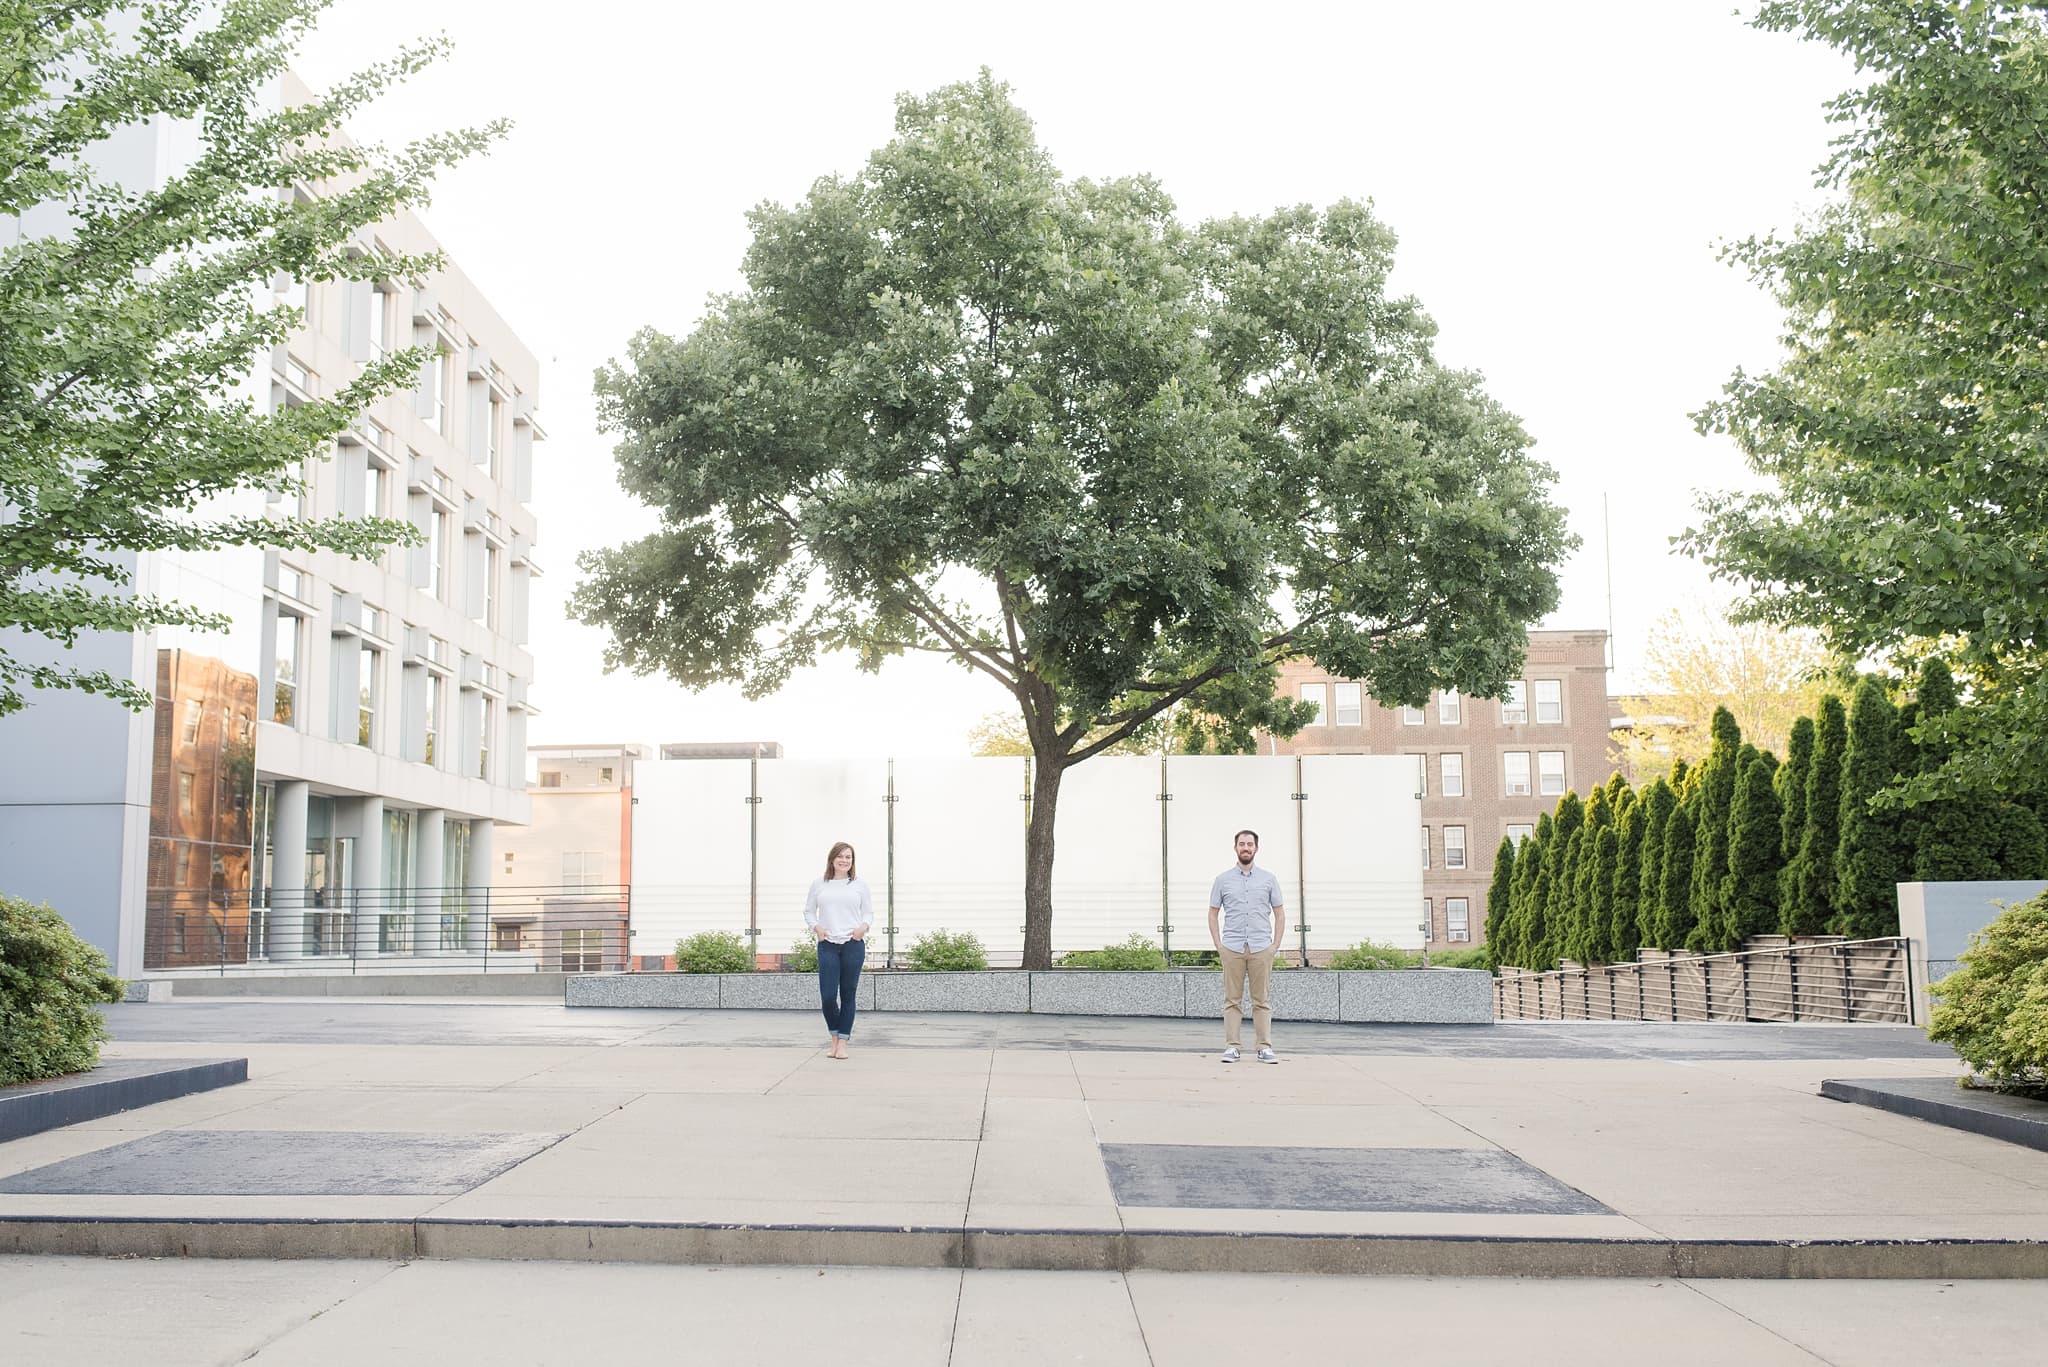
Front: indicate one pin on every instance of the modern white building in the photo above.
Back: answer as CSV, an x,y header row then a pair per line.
x,y
324,779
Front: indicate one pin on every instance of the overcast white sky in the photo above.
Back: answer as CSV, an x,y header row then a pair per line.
x,y
1558,179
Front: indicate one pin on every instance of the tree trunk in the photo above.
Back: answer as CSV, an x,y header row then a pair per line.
x,y
1045,796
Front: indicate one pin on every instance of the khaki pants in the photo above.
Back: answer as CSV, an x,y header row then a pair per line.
x,y
1259,968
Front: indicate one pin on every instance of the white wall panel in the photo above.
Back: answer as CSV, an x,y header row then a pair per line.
x,y
690,850
806,807
1363,832
1215,797
960,852
1105,873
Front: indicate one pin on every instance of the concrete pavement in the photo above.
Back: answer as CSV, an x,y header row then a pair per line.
x,y
80,1312
395,1130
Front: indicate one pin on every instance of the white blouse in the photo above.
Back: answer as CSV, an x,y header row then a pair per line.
x,y
839,906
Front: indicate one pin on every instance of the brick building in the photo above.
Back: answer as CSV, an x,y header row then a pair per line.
x,y
1486,768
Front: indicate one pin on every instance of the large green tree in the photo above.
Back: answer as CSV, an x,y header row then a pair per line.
x,y
1715,796
1812,880
1749,894
1868,858
1791,781
1902,435
1110,461
132,316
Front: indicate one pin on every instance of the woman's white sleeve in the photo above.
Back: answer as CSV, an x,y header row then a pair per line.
x,y
811,906
867,904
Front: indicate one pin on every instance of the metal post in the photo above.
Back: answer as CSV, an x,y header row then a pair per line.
x,y
754,855
1848,1001
890,894
1792,974
1165,898
1301,861
1906,948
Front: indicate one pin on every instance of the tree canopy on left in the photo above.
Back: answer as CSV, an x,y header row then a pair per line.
x,y
134,316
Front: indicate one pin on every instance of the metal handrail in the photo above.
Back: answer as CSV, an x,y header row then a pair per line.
x,y
1843,981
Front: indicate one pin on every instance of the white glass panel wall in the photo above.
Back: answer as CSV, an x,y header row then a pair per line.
x,y
691,856
1105,873
959,853
1361,825
1214,797
806,807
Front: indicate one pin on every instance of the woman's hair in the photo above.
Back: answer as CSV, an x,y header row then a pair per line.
x,y
833,854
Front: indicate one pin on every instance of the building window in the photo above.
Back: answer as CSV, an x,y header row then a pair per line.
x,y
1458,913
604,775
285,685
1514,704
1550,772
493,422
1425,847
1549,700
550,778
1314,696
183,876
185,801
380,322
1350,708
437,555
1518,831
1517,784
583,870
1452,768
194,714
375,481
444,391
490,617
1449,707
369,687
1412,716
483,748
1421,775
1428,919
435,685
1454,847
582,951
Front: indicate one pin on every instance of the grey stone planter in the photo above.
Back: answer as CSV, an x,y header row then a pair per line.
x,y
1435,996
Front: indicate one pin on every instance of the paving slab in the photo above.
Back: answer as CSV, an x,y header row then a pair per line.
x,y
1448,1181
116,1085
283,1163
1939,1101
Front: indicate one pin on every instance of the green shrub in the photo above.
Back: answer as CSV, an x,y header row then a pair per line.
x,y
802,956
1367,954
1135,955
49,982
1460,958
941,951
1195,958
1994,1009
715,951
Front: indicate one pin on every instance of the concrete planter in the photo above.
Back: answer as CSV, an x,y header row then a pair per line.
x,y
1437,996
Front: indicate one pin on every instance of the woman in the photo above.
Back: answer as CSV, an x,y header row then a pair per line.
x,y
839,911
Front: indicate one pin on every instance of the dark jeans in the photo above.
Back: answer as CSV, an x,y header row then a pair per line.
x,y
838,977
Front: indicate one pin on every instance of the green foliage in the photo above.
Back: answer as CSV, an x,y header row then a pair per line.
x,y
942,951
1900,438
1594,946
802,956
1475,957
1554,881
1499,893
50,981
1369,954
1813,876
1791,781
1715,796
1584,937
1624,935
1749,894
1674,921
1867,864
1114,462
1194,958
1994,1009
129,338
1659,802
718,951
1135,955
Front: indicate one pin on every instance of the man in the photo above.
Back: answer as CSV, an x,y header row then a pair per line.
x,y
1246,920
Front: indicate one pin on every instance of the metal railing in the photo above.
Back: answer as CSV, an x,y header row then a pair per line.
x,y
580,929
1834,980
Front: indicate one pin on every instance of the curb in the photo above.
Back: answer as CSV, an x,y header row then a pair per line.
x,y
115,1086
2016,1120
1041,1250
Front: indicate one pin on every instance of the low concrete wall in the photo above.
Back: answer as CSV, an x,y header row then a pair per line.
x,y
547,985
1434,996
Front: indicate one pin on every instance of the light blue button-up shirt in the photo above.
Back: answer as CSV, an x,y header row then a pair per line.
x,y
1247,898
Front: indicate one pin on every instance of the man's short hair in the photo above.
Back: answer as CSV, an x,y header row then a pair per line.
x,y
1242,834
